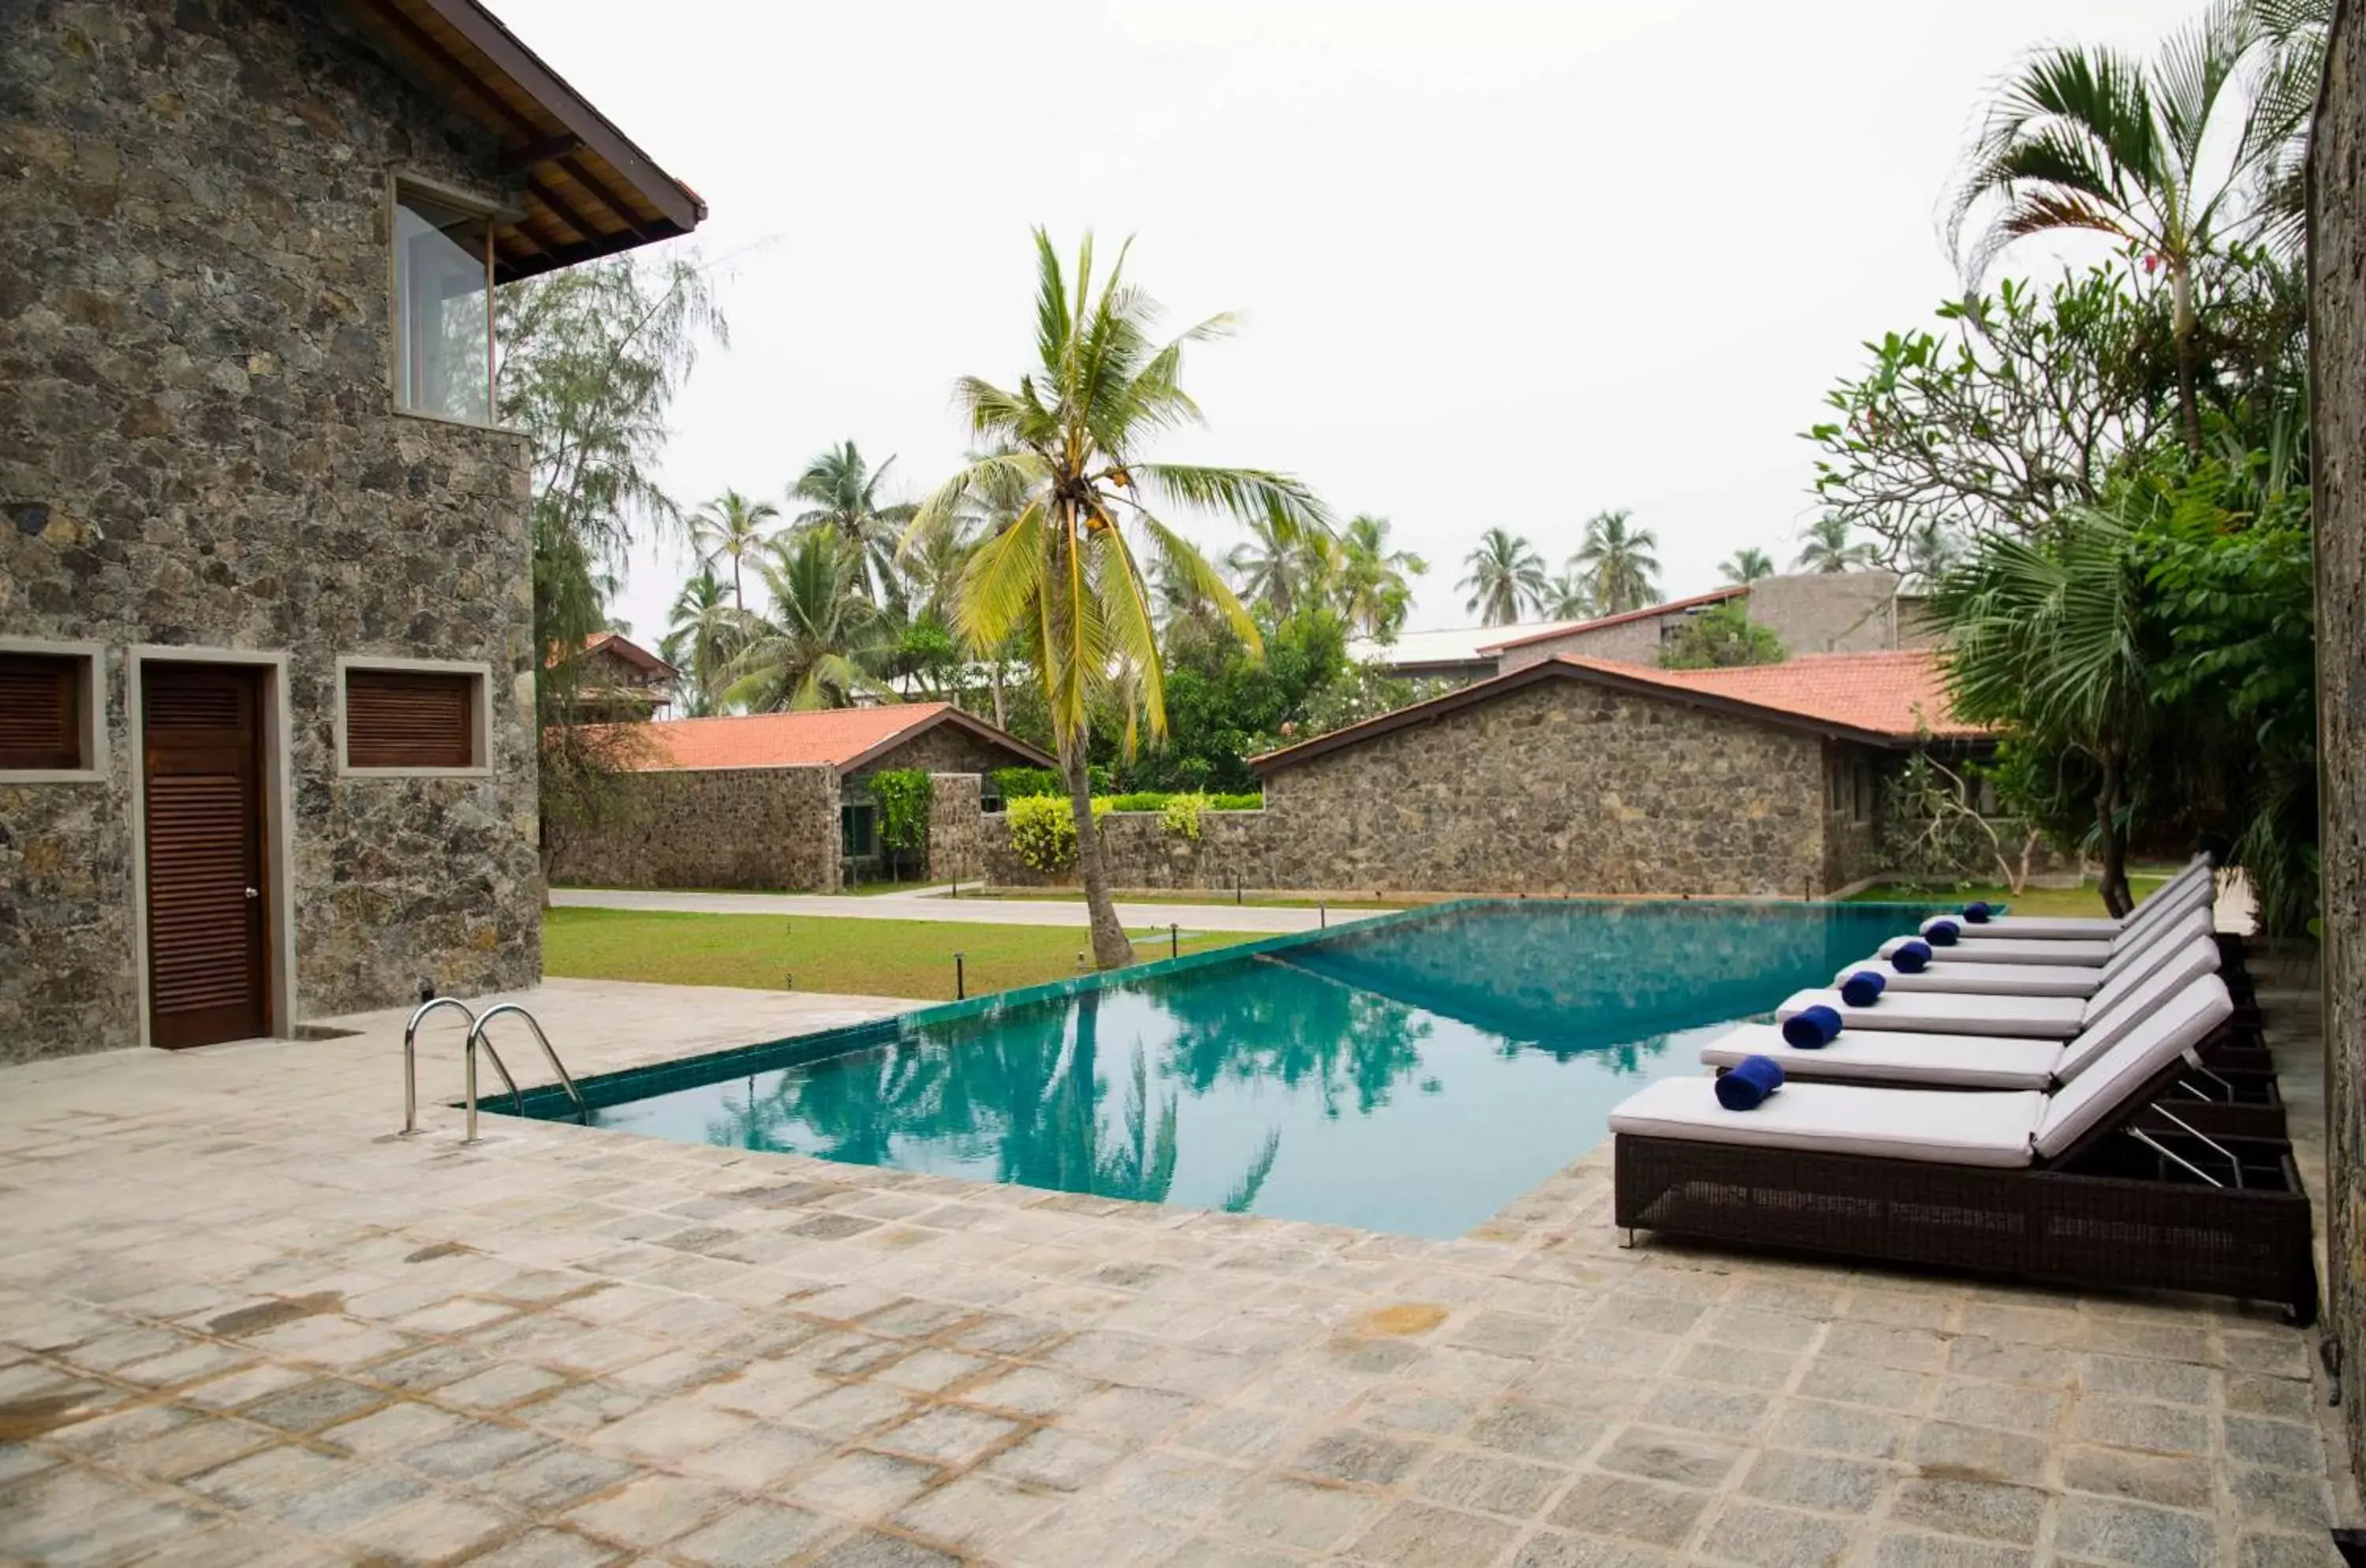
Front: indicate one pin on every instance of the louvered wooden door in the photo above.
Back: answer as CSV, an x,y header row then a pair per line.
x,y
207,906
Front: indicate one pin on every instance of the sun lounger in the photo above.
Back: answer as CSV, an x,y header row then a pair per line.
x,y
2032,1017
1945,973
2061,1187
2078,928
2179,899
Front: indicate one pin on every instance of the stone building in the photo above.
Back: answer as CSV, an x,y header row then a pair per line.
x,y
1818,612
781,800
613,679
1575,776
2338,374
266,745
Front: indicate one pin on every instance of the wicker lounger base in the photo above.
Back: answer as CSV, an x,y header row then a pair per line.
x,y
2094,1232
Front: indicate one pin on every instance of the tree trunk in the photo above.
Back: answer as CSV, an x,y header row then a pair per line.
x,y
1111,950
2113,883
2180,327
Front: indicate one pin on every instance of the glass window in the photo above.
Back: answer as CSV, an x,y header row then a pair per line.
x,y
443,304
856,826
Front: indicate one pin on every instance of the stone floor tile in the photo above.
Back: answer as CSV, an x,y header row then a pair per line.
x,y
2140,1424
671,1430
1765,1371
1131,1415
1205,1552
2286,1551
69,1516
949,1435
650,1510
864,1485
1766,1537
973,1512
2142,1377
1537,1431
1629,1509
554,1478
261,1479
1279,1511
350,1504
2006,1407
1699,1407
850,1411
754,1535
434,1529
756,1459
1882,1345
2276,1499
186,1450
1556,1549
1918,1549
1814,1423
1031,1391
548,1548
1854,1383
2110,1530
1816,1480
1985,1510
1979,1357
1423,1535
393,1428
476,1448
1051,1457
310,1406
1677,1456
2173,1482
245,1386
1490,1483
1251,1436
499,1387
1353,1454
1942,1447
2278,1445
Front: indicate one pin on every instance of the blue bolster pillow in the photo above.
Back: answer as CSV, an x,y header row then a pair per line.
x,y
1977,911
1862,988
1911,956
1940,932
1751,1079
1811,1028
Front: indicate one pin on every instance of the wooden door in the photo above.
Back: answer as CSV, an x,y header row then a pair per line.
x,y
208,914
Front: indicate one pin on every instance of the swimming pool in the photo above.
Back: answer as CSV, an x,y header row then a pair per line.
x,y
1413,1073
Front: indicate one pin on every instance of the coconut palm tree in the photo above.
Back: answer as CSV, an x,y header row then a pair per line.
x,y
1747,566
706,633
1931,549
1506,580
1568,597
1828,547
1063,573
1618,560
1280,567
1373,583
843,493
2171,157
824,642
732,527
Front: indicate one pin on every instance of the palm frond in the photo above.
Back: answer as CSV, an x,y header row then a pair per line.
x,y
1242,493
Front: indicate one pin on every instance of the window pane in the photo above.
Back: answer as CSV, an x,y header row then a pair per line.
x,y
445,333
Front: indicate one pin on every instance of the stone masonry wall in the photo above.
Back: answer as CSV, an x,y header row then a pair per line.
x,y
944,749
199,449
956,828
2337,355
1557,788
761,828
1831,612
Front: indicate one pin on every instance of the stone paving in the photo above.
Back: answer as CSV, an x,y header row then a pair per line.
x,y
1139,916
243,1324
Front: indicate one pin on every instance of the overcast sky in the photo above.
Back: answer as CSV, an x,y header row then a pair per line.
x,y
1500,264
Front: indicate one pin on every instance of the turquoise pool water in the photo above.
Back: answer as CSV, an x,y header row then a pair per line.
x,y
1413,1074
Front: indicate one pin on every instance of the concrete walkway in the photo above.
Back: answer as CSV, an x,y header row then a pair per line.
x,y
929,904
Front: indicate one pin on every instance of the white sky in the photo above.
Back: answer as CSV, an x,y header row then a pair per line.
x,y
1500,263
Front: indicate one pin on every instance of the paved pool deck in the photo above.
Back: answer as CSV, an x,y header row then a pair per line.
x,y
242,1324
936,904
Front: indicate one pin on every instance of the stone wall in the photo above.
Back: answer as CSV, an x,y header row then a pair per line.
x,y
1835,612
198,449
1560,787
760,828
957,828
1629,642
941,748
2338,355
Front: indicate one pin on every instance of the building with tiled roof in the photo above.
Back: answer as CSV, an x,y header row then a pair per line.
x,y
850,739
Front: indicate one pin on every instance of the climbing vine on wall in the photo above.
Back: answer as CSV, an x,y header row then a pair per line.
x,y
902,795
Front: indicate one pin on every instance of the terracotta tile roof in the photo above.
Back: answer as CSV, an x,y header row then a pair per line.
x,y
1891,697
1895,692
838,738
623,646
1649,612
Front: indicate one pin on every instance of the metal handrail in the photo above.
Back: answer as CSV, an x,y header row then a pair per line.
x,y
411,1060
469,1064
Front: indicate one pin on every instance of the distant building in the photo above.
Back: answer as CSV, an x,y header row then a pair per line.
x,y
616,680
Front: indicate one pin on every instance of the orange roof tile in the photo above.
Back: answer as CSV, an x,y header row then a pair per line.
x,y
1898,691
835,738
1649,612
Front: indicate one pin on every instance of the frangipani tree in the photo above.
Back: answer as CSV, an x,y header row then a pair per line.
x,y
1071,440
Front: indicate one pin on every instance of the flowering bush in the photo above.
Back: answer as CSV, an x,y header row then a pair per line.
x,y
1044,832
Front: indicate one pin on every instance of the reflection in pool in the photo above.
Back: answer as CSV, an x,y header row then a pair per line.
x,y
1414,1076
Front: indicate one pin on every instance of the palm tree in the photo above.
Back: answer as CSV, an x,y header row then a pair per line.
x,y
1619,561
845,496
706,633
824,642
1828,547
1063,573
1747,566
1931,549
1507,577
2092,139
1280,567
1568,597
732,527
1373,581
2044,635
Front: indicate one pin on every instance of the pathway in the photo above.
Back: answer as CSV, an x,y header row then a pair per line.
x,y
928,904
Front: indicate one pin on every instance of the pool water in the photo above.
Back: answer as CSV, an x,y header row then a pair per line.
x,y
1413,1074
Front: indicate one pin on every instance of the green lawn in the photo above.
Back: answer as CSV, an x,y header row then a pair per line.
x,y
2083,900
1179,896
876,958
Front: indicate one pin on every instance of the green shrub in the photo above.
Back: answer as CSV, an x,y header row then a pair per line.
x,y
1140,800
1237,803
1180,816
1720,638
1044,832
903,797
1028,783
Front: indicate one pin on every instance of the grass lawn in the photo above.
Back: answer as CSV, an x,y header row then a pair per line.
x,y
1177,896
875,958
2082,901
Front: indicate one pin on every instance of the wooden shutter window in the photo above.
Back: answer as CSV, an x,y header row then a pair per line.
x,y
410,718
40,712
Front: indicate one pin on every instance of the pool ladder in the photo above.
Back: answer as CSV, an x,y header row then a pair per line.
x,y
477,1038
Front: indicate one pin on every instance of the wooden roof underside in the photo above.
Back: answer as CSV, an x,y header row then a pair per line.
x,y
584,190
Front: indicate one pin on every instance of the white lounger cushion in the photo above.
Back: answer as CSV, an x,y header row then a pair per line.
x,y
1900,1057
2080,954
2091,928
2173,1030
1902,1123
1946,973
1950,1013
